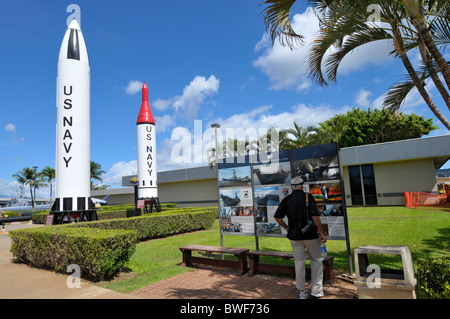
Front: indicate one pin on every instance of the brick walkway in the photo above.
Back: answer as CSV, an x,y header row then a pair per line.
x,y
208,283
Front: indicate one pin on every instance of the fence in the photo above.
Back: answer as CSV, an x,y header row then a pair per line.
x,y
416,199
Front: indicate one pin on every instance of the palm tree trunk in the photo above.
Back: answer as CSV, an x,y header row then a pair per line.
x,y
423,92
31,194
50,202
424,34
437,81
418,84
414,13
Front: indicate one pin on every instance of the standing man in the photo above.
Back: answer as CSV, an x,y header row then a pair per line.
x,y
304,230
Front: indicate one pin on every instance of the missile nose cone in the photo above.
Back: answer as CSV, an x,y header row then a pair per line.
x,y
145,114
145,93
74,25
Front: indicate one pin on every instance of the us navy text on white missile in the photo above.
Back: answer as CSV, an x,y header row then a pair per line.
x,y
148,129
67,122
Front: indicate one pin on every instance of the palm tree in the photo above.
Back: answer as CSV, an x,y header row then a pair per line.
x,y
345,26
27,176
49,174
330,131
96,172
299,137
417,13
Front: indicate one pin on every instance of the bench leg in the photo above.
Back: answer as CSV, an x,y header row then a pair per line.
x,y
187,258
254,260
242,263
328,272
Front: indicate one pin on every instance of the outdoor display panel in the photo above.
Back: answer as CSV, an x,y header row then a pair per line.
x,y
236,197
271,184
251,188
319,167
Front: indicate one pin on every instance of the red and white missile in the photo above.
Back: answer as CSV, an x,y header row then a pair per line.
x,y
73,124
146,150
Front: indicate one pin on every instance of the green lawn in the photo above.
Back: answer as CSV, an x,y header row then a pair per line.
x,y
425,231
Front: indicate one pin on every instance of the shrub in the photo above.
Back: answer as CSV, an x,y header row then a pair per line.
x,y
11,214
101,247
100,254
39,218
433,277
111,212
158,225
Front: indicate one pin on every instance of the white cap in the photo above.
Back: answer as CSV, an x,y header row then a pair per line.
x,y
296,181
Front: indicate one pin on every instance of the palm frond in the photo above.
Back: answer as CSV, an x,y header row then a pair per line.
x,y
397,94
277,21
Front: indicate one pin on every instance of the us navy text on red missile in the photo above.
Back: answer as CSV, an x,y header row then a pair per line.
x,y
148,129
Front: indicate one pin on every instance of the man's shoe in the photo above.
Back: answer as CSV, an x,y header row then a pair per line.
x,y
317,295
303,295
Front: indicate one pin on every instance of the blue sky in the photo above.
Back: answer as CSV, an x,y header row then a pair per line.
x,y
204,61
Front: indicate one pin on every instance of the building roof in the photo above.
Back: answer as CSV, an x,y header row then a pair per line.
x,y
436,147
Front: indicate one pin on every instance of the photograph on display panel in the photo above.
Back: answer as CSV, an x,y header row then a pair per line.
x,y
318,166
276,171
235,176
236,197
271,185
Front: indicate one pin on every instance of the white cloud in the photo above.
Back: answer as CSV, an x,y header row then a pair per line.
x,y
362,98
188,146
9,188
115,173
187,105
303,115
161,105
11,128
194,95
197,139
163,122
286,68
133,87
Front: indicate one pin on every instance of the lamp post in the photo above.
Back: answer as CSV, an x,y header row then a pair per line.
x,y
33,201
215,126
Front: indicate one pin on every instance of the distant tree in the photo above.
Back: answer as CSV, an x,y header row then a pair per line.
x,y
48,174
96,172
29,176
378,126
298,137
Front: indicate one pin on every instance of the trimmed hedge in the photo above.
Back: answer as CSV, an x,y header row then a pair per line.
x,y
433,277
100,254
102,247
109,212
159,225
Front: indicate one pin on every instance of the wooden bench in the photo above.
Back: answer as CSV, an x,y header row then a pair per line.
x,y
241,255
256,265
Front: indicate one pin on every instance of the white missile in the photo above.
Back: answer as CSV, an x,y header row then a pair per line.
x,y
73,124
146,150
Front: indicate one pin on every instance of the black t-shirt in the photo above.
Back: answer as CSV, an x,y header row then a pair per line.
x,y
294,207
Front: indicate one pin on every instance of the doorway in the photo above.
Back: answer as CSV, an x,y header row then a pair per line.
x,y
362,185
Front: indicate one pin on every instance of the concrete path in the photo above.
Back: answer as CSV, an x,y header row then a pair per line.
x,y
20,281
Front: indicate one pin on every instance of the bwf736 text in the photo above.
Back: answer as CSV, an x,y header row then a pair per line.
x,y
246,308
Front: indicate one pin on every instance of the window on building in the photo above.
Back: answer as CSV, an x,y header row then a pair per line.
x,y
362,185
